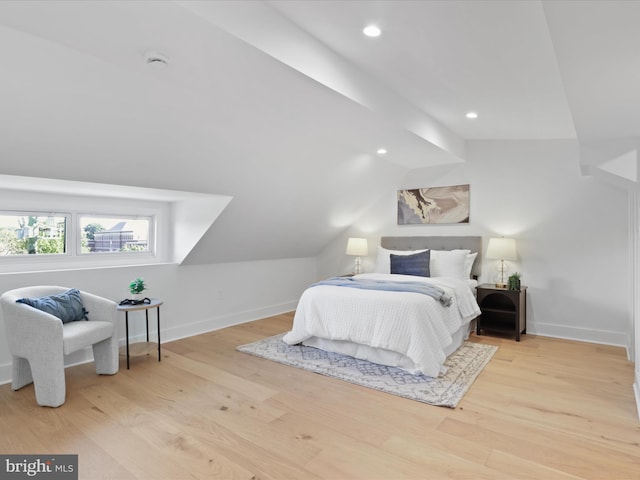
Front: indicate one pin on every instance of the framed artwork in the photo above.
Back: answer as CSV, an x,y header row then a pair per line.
x,y
433,205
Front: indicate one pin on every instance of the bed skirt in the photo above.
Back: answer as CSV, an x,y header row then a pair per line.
x,y
382,356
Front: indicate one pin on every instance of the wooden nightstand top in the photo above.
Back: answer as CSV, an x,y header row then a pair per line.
x,y
492,286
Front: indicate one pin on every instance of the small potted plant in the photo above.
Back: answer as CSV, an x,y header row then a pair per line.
x,y
514,281
136,288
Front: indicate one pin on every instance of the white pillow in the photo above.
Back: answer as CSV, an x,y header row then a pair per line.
x,y
383,261
449,263
468,264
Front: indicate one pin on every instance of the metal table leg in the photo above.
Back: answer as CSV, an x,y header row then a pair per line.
x,y
126,319
159,356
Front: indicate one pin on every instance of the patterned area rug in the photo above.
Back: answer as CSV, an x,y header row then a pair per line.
x,y
463,366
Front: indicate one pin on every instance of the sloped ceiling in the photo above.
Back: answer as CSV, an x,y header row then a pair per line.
x,y
282,105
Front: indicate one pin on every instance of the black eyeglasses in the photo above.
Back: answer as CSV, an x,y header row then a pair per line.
x,y
129,301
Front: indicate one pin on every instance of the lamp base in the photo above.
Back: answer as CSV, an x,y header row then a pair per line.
x,y
501,276
357,267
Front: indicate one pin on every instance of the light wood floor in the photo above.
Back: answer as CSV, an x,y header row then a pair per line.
x,y
542,409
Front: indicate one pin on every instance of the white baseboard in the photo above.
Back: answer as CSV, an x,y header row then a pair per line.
x,y
603,337
176,333
216,323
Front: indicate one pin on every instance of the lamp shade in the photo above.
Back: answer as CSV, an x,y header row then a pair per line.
x,y
502,249
357,247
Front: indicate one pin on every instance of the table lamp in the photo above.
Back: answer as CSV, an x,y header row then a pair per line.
x,y
502,249
357,247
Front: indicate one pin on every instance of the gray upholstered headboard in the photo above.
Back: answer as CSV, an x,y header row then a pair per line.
x,y
438,243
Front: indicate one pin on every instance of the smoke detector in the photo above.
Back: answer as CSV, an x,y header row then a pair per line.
x,y
156,60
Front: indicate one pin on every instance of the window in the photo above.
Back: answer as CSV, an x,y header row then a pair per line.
x,y
33,233
101,235
152,217
32,240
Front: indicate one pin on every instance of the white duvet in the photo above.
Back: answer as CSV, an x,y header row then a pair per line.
x,y
411,325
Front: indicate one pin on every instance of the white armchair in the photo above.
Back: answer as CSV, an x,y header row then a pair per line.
x,y
38,341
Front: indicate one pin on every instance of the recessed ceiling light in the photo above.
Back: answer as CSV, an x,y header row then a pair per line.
x,y
372,31
382,151
472,115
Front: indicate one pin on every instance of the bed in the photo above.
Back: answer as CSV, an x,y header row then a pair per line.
x,y
406,329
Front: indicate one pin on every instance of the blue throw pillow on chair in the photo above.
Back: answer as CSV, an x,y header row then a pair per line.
x,y
416,264
66,306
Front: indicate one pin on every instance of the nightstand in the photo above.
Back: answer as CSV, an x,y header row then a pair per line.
x,y
502,310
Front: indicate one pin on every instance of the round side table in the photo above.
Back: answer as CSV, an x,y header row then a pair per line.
x,y
154,303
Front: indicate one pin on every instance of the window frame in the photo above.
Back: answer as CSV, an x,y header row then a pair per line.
x,y
159,211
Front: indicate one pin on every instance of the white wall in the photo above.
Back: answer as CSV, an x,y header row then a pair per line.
x,y
634,221
571,231
197,298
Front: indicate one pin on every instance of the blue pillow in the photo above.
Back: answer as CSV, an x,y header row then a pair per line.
x,y
66,306
416,264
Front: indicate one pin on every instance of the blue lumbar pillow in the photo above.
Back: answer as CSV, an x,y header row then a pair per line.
x,y
416,264
66,306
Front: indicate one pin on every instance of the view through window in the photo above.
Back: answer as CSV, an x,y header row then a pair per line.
x,y
36,234
33,234
114,234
